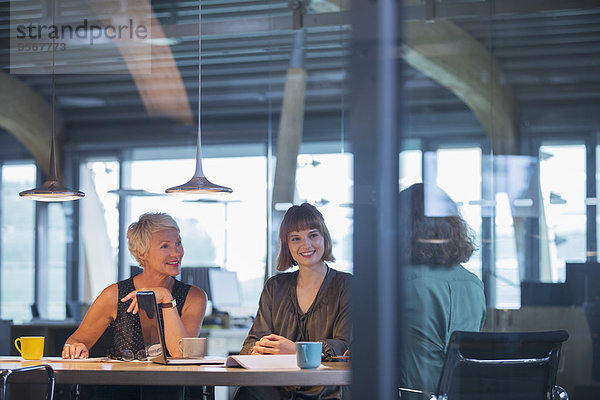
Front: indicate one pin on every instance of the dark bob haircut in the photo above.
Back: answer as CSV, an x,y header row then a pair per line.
x,y
442,237
300,218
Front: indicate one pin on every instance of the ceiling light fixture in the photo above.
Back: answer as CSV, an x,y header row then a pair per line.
x,y
52,189
199,184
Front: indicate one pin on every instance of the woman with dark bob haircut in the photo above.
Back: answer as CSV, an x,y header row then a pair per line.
x,y
439,295
310,304
298,218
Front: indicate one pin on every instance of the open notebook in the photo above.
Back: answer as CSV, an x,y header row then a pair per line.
x,y
271,361
154,337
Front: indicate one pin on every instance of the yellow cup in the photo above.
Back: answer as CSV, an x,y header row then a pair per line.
x,y
30,347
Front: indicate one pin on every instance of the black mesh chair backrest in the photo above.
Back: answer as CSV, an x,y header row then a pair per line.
x,y
501,365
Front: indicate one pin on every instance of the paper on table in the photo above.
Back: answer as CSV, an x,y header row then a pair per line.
x,y
60,359
279,361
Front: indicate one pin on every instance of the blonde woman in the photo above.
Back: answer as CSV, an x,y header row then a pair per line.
x,y
155,243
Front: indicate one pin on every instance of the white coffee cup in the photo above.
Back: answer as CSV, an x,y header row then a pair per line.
x,y
193,347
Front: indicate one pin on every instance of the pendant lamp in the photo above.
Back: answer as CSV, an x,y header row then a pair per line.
x,y
52,189
199,184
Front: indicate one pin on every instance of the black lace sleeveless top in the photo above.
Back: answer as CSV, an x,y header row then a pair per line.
x,y
126,327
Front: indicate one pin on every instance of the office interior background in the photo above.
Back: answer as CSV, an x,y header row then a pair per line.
x,y
498,103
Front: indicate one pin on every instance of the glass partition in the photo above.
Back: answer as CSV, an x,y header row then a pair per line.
x,y
495,116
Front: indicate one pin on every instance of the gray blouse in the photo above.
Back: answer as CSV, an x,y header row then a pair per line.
x,y
327,320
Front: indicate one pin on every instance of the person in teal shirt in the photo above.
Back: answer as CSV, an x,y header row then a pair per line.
x,y
439,295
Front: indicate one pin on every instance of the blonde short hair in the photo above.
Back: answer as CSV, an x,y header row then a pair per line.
x,y
139,234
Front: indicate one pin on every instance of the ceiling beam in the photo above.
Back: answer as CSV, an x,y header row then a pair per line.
x,y
453,58
28,117
159,84
291,124
289,136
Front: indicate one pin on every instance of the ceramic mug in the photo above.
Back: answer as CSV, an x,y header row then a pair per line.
x,y
193,347
30,347
308,354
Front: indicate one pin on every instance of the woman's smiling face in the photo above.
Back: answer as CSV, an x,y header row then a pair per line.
x,y
165,253
306,247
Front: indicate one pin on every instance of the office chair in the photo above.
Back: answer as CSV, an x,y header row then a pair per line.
x,y
27,375
500,365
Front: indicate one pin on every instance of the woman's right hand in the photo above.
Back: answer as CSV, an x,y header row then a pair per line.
x,y
163,295
75,350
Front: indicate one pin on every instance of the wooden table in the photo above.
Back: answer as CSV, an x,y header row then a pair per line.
x,y
145,373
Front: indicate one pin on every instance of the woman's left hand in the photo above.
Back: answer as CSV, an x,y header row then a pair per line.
x,y
163,295
274,344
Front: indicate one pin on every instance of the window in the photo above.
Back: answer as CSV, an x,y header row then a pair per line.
x,y
99,226
325,181
53,288
18,242
227,231
458,172
563,217
410,168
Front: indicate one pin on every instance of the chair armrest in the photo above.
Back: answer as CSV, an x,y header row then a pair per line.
x,y
559,393
7,373
428,395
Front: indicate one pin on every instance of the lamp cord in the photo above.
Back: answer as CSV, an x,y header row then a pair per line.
x,y
52,172
199,172
53,61
199,61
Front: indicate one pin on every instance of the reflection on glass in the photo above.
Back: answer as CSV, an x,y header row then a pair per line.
x,y
459,171
508,284
515,189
